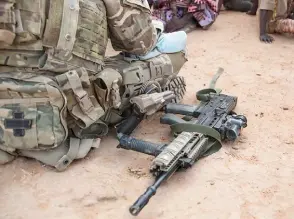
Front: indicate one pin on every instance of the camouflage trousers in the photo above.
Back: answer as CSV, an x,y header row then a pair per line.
x,y
238,5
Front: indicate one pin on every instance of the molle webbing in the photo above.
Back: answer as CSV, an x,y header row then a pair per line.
x,y
75,30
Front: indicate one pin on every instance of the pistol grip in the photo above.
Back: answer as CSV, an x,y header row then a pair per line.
x,y
183,109
171,119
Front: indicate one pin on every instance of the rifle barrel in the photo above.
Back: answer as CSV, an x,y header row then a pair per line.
x,y
143,200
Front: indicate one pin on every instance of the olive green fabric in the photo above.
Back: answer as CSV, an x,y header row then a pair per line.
x,y
130,26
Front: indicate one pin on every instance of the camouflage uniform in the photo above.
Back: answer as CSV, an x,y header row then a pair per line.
x,y
58,93
238,5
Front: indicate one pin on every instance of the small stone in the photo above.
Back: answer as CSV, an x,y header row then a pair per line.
x,y
89,202
235,147
212,183
289,142
285,108
258,74
198,203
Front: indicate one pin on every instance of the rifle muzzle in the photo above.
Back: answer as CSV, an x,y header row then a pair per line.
x,y
142,201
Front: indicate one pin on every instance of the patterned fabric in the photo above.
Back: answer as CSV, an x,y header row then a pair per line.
x,y
285,26
282,25
203,11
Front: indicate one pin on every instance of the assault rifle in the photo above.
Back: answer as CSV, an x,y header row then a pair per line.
x,y
199,133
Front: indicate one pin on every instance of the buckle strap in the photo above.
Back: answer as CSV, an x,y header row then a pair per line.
x,y
205,94
66,160
81,95
69,25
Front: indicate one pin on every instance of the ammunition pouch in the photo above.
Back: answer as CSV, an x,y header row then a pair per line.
x,y
82,104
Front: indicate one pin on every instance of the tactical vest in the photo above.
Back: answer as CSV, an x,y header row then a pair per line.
x,y
55,35
130,26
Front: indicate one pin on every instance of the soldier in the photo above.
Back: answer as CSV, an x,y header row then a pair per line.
x,y
58,92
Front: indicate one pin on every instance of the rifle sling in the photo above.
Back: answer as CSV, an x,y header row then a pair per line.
x,y
214,137
205,94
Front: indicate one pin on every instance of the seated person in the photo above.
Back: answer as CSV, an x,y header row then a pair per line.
x,y
178,14
275,17
238,5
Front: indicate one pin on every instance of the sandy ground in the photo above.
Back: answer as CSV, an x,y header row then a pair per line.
x,y
251,179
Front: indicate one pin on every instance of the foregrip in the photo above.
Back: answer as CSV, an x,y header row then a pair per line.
x,y
183,109
171,119
130,143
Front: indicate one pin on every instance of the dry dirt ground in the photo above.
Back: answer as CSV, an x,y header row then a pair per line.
x,y
251,179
